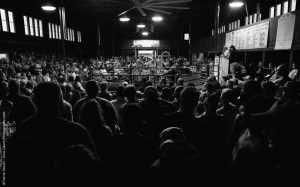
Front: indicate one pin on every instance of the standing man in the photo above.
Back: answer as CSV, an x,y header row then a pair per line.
x,y
233,60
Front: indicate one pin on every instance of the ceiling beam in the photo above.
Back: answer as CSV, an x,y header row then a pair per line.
x,y
141,11
170,7
172,2
157,10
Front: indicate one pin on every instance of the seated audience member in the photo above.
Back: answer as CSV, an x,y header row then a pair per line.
x,y
177,92
261,72
252,162
117,103
184,118
295,72
91,118
103,92
180,82
153,107
163,83
51,132
255,104
200,109
283,139
269,90
5,105
291,91
130,94
66,108
77,165
166,94
109,112
228,110
282,73
68,96
182,165
29,89
250,89
135,152
78,84
209,88
23,106
166,138
215,125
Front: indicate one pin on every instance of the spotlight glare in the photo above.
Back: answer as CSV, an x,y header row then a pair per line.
x,y
48,8
157,18
236,4
141,25
145,33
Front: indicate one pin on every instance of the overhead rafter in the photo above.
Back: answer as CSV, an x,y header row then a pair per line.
x,y
156,6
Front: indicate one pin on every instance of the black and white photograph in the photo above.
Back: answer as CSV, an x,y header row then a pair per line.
x,y
149,93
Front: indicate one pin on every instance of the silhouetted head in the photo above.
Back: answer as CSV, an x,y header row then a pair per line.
x,y
189,98
177,91
92,89
151,93
69,88
4,90
269,88
91,114
166,94
133,117
282,70
103,86
120,91
252,88
180,82
77,166
130,93
227,96
14,86
71,79
77,79
211,102
171,133
48,98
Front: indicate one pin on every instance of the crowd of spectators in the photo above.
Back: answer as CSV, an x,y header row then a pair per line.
x,y
71,132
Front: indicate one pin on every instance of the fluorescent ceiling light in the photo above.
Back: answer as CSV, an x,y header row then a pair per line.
x,y
145,33
124,19
157,18
141,25
236,4
49,8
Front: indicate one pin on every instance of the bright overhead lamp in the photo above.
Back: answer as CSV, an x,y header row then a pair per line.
x,y
236,4
145,33
124,18
48,7
141,25
157,18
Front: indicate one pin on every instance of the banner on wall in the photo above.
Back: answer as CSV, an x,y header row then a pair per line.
x,y
253,37
285,31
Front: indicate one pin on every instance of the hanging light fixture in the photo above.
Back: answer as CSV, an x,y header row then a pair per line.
x,y
157,18
141,25
48,7
124,18
236,4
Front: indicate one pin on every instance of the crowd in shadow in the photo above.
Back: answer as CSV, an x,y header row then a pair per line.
x,y
237,134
